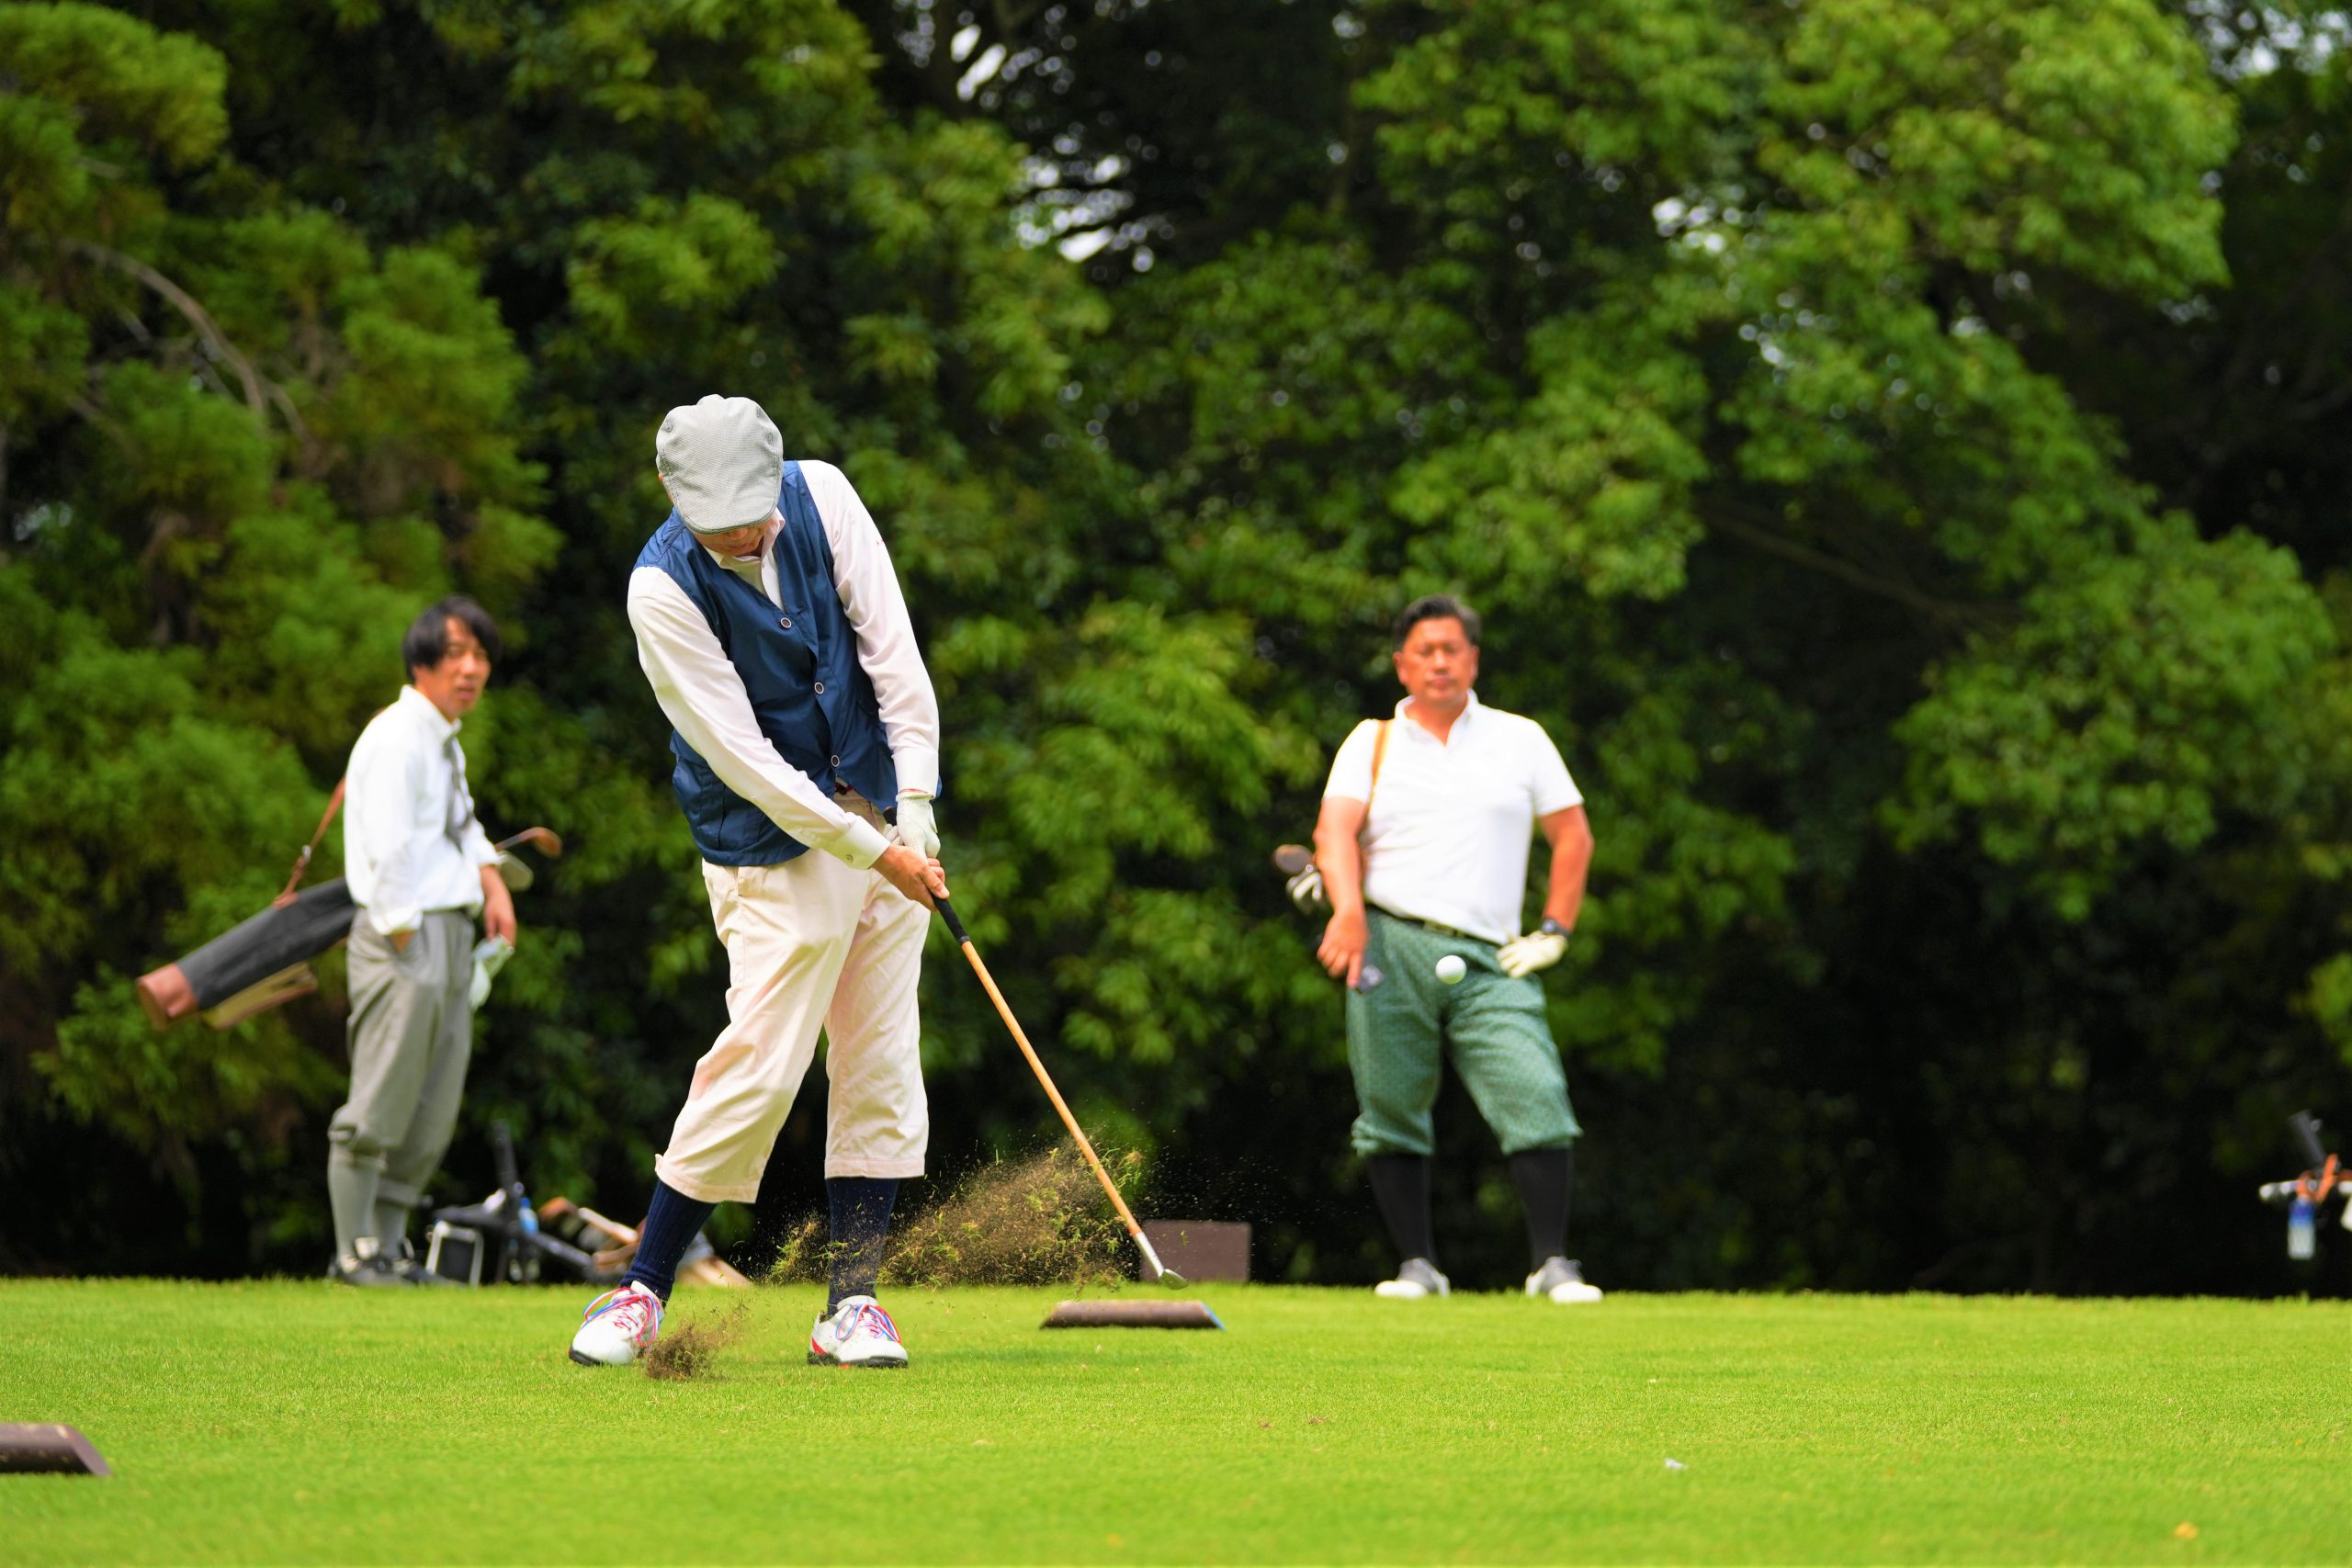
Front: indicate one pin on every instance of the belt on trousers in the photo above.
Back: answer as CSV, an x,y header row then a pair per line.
x,y
1432,926
856,805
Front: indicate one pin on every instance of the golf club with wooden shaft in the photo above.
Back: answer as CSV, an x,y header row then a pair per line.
x,y
1159,1271
544,839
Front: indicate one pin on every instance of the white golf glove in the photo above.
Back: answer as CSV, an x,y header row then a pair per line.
x,y
490,955
916,827
1539,949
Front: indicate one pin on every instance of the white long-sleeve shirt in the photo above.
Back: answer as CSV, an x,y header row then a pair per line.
x,y
704,698
399,855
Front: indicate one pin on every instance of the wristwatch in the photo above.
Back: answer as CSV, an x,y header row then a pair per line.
x,y
1550,927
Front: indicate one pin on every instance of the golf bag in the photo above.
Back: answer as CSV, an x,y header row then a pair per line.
x,y
252,966
265,960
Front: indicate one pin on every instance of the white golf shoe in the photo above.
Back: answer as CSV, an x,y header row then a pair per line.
x,y
1417,1279
859,1333
1562,1279
617,1327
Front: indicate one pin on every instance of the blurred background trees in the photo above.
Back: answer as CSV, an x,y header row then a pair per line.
x,y
1900,453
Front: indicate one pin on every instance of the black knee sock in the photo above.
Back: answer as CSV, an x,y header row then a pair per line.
x,y
1401,1185
861,1217
1543,1177
671,1225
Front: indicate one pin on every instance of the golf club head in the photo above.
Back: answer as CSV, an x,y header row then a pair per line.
x,y
544,839
1160,1273
517,873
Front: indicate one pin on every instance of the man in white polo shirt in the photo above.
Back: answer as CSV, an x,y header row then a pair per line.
x,y
1422,845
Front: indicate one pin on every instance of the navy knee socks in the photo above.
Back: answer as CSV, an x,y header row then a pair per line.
x,y
671,1225
861,1219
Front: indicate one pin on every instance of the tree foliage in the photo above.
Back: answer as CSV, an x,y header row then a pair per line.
x,y
1892,446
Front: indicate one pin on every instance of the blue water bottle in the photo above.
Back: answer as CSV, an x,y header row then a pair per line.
x,y
2302,1233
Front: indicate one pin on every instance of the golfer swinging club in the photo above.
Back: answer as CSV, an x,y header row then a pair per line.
x,y
771,626
1426,888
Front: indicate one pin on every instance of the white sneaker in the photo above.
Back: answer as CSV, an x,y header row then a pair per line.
x,y
1417,1279
859,1333
618,1326
1561,1279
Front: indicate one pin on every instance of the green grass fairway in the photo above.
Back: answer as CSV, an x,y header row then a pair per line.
x,y
296,1422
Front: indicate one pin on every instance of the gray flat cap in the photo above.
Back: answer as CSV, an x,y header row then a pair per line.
x,y
723,460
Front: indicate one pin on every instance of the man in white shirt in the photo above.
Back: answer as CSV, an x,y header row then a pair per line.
x,y
806,733
1421,846
420,869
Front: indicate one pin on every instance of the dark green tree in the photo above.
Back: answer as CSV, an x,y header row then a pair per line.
x,y
1753,367
1893,448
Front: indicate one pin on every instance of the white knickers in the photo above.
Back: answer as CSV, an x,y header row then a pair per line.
x,y
811,944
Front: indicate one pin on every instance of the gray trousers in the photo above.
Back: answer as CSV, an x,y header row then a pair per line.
x,y
410,1036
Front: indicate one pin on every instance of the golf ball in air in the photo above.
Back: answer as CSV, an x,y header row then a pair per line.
x,y
1450,969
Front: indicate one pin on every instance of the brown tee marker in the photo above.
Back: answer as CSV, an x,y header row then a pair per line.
x,y
1132,1315
46,1450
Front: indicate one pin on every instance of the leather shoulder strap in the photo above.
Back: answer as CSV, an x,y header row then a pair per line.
x,y
303,860
1379,755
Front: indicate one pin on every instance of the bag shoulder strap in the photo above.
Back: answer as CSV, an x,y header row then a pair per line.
x,y
1379,755
303,860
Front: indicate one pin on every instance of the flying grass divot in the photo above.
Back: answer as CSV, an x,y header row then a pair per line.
x,y
689,1352
1132,1315
1034,1221
1154,1269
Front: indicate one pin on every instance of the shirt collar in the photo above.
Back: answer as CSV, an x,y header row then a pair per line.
x,y
746,563
421,707
1467,709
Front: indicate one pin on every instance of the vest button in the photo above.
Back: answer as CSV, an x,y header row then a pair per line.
x,y
786,623
821,688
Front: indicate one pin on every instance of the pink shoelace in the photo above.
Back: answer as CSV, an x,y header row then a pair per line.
x,y
880,1319
632,1308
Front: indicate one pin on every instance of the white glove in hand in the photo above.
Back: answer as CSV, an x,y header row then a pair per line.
x,y
1523,955
490,955
916,829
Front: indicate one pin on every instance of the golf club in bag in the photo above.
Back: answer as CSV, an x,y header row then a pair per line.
x,y
2305,1198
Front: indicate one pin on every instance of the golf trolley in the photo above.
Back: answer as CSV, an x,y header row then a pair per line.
x,y
2306,1197
500,1238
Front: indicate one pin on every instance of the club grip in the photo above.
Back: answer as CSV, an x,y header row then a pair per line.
x,y
954,927
2306,1126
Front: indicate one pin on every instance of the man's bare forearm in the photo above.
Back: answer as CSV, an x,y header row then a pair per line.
x,y
1340,859
1571,862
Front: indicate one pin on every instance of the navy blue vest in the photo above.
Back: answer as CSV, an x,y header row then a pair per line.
x,y
799,665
